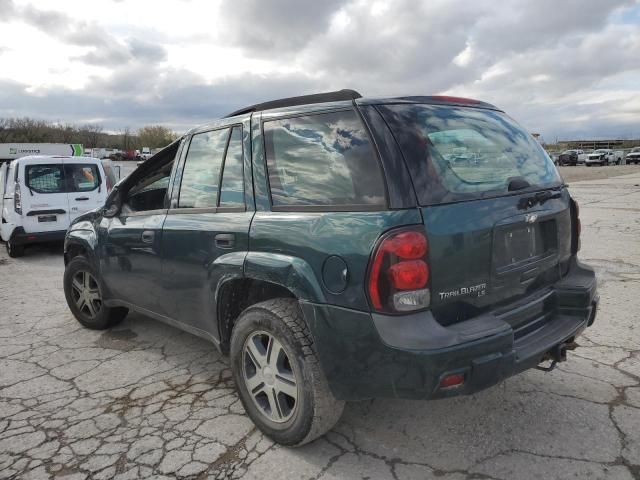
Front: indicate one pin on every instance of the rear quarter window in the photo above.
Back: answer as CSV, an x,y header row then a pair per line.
x,y
322,160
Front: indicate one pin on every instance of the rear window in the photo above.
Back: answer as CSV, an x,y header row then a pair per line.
x,y
45,178
458,153
322,160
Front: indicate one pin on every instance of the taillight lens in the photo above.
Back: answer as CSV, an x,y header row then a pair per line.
x,y
17,199
399,272
577,226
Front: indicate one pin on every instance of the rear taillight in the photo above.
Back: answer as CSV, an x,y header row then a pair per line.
x,y
17,199
399,272
577,226
108,182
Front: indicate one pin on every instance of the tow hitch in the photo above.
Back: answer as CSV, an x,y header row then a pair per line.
x,y
556,355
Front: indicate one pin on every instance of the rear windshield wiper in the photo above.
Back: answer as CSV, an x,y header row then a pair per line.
x,y
537,198
517,183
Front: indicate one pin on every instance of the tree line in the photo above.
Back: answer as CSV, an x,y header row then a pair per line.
x,y
30,130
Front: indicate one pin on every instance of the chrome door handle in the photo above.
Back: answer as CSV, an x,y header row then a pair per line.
x,y
225,240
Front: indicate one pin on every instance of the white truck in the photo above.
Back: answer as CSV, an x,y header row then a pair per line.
x,y
12,151
145,154
100,152
601,156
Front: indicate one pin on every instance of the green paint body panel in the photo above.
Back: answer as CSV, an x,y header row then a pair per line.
x,y
309,238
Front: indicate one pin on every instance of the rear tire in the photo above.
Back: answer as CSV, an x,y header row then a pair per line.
x,y
301,409
14,251
83,292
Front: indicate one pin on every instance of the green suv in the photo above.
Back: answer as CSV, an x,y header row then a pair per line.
x,y
342,248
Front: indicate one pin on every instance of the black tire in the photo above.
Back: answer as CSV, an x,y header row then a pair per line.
x,y
103,317
14,251
315,410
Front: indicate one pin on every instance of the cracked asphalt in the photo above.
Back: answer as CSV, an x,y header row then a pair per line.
x,y
147,401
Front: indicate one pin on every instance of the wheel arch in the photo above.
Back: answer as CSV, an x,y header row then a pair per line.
x,y
79,242
236,295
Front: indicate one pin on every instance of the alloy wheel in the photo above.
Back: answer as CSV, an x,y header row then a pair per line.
x,y
86,294
269,377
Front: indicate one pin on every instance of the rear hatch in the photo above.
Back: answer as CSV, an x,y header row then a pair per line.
x,y
495,210
43,193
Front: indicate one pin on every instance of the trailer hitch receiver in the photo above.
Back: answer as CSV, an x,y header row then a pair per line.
x,y
556,355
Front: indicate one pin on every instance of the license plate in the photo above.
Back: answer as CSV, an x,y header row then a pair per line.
x,y
515,245
522,243
47,218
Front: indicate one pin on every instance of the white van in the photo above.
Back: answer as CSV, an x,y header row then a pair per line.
x,y
41,195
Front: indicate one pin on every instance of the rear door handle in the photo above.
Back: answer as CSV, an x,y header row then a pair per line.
x,y
148,236
82,199
225,240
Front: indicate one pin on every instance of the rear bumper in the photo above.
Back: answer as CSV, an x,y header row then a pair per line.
x,y
20,237
365,355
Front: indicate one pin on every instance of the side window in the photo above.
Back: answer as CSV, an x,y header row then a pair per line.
x,y
82,177
322,160
232,187
150,191
201,174
45,178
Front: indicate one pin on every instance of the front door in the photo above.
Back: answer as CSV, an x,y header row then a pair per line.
x,y
130,260
205,237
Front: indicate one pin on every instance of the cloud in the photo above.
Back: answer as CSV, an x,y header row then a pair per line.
x,y
118,54
561,68
276,27
147,51
133,98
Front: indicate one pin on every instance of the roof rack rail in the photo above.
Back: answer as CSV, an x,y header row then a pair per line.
x,y
344,94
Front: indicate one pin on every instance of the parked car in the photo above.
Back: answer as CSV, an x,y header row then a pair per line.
x,y
568,157
602,156
145,154
618,155
41,195
335,250
633,156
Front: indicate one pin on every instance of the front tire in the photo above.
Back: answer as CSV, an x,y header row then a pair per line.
x,y
278,375
83,292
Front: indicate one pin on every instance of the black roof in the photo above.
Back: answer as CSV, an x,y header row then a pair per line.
x,y
336,96
347,94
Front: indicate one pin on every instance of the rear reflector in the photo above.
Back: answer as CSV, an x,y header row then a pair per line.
x,y
452,380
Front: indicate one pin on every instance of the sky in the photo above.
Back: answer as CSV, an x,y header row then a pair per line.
x,y
567,69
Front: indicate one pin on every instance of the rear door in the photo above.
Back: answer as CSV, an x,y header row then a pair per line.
x,y
86,186
45,207
205,234
497,215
